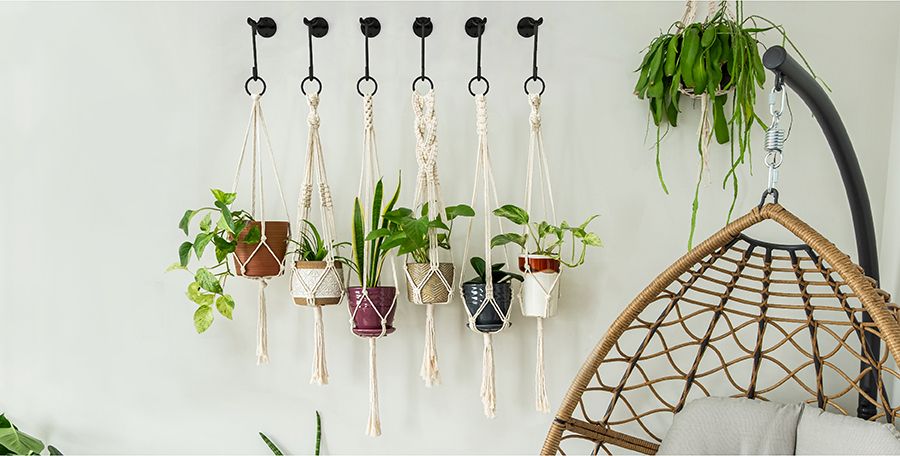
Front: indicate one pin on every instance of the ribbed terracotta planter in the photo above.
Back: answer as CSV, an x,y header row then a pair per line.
x,y
488,320
366,321
263,263
310,279
539,263
433,291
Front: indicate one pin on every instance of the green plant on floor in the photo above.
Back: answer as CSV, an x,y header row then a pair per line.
x,y
277,451
219,227
409,234
312,246
546,239
498,275
14,441
368,270
709,60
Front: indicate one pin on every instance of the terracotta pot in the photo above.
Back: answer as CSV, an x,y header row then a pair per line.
x,y
540,294
488,320
366,320
433,291
263,263
539,263
310,279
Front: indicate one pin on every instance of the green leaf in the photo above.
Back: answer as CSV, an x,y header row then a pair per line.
x,y
709,37
193,291
222,197
690,46
272,447
203,317
174,266
512,213
508,238
720,123
227,217
381,232
398,214
225,305
700,76
478,265
592,239
460,210
671,56
200,243
656,64
254,235
376,204
53,451
205,299
206,223
438,224
184,253
396,240
358,239
544,228
19,442
186,220
207,281
588,221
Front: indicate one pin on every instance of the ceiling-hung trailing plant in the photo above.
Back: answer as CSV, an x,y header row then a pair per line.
x,y
712,62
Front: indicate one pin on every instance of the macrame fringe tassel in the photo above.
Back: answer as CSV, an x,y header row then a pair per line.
x,y
320,367
488,392
541,403
262,332
429,371
373,429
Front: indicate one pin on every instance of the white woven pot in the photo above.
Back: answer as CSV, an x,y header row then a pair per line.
x,y
310,279
540,294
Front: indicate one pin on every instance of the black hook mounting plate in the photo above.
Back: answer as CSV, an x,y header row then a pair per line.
x,y
423,27
527,26
475,26
318,26
265,26
369,26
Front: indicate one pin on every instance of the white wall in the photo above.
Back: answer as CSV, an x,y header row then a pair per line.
x,y
119,116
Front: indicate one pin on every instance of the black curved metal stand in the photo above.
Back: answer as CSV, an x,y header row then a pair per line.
x,y
790,72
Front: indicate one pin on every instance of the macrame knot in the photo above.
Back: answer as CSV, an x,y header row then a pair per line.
x,y
368,113
313,118
306,195
481,114
535,116
325,195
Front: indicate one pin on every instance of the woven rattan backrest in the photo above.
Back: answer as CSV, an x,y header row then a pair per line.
x,y
733,317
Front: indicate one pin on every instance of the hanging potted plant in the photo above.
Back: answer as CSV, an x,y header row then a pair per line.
x,y
475,292
312,283
233,232
370,301
541,264
708,61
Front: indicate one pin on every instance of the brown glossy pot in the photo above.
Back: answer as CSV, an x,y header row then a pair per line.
x,y
263,263
539,263
433,290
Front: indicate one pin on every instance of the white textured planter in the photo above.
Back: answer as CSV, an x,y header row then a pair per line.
x,y
310,279
540,294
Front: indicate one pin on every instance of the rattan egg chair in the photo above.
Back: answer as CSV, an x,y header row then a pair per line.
x,y
739,317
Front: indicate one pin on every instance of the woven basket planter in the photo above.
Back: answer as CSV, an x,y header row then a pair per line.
x,y
312,284
263,263
366,319
540,290
433,291
488,320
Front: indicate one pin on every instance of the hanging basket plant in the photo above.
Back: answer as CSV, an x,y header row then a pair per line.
x,y
312,281
489,319
713,62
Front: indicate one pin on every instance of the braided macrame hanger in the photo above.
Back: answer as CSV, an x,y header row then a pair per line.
x,y
329,278
483,168
257,128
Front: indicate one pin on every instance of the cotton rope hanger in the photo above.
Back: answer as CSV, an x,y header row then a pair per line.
x,y
527,28
256,129
311,284
475,28
369,176
428,192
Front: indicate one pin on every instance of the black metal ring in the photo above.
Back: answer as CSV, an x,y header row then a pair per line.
x,y
312,79
767,192
535,78
422,78
487,85
366,78
257,78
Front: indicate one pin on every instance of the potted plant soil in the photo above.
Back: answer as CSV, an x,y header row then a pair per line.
x,y
312,283
233,232
541,264
475,293
371,303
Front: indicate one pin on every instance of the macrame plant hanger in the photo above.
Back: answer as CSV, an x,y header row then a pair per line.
x,y
316,283
264,251
431,283
371,307
487,301
539,293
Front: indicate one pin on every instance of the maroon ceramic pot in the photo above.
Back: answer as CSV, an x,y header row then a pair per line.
x,y
366,320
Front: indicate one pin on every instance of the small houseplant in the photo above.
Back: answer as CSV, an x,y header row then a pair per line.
x,y
14,441
277,451
544,244
311,284
475,294
368,312
233,232
410,235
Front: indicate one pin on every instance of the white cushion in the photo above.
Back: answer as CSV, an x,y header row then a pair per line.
x,y
821,432
718,425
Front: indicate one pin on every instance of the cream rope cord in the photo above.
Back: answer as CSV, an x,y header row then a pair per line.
x,y
369,175
536,153
255,129
428,192
483,167
315,175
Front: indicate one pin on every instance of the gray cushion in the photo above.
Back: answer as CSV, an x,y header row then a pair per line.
x,y
822,432
718,425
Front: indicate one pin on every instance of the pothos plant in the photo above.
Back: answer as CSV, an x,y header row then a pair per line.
x,y
208,288
709,60
368,270
409,234
547,239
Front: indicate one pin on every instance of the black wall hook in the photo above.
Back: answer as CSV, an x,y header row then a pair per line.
x,y
475,28
422,27
317,27
527,28
264,27
370,28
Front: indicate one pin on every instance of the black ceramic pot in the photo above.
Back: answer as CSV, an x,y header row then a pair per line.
x,y
488,320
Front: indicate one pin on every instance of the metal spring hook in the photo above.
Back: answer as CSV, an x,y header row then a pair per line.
x,y
775,138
